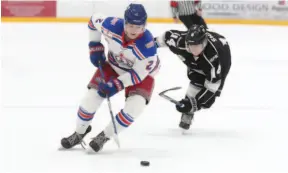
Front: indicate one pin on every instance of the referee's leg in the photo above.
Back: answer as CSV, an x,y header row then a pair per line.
x,y
198,20
186,20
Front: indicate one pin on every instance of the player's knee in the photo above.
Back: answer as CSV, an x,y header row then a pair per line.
x,y
209,103
135,105
91,100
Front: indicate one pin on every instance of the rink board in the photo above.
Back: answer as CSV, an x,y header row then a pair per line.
x,y
214,12
151,20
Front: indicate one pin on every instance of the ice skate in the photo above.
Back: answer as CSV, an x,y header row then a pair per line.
x,y
74,139
186,121
98,142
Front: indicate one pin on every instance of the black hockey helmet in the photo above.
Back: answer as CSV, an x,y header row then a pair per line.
x,y
196,35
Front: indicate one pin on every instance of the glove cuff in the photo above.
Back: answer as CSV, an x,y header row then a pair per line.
x,y
193,102
118,84
96,47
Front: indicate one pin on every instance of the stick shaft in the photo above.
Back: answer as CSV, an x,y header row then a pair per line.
x,y
110,109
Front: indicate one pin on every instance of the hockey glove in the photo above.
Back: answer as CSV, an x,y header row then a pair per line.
x,y
110,88
188,105
96,53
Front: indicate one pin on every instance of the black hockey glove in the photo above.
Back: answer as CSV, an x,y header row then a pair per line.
x,y
189,105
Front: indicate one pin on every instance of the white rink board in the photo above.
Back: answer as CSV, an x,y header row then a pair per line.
x,y
74,8
269,10
112,8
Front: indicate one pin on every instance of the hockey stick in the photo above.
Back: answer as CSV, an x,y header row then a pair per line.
x,y
116,139
162,94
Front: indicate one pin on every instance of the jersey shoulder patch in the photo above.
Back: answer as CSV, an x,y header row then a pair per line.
x,y
146,45
114,25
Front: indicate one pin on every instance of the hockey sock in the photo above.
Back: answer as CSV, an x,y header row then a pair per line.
x,y
89,105
133,108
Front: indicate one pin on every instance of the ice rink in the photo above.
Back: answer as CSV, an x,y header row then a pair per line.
x,y
45,70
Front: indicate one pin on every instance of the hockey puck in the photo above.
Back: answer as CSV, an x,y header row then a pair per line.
x,y
145,163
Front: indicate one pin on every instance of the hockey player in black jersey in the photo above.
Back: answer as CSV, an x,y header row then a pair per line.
x,y
207,56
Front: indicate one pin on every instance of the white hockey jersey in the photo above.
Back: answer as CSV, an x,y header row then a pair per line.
x,y
133,61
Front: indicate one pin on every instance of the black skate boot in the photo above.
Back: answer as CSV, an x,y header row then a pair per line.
x,y
98,142
186,120
74,139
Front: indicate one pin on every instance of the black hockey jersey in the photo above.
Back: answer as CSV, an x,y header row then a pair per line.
x,y
213,63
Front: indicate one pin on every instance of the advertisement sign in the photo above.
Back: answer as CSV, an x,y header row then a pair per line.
x,y
253,10
279,11
28,8
220,11
235,10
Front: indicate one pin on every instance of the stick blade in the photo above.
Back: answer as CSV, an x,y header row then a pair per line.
x,y
174,88
116,139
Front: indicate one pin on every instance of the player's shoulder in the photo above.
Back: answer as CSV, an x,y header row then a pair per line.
x,y
146,44
101,22
213,35
113,24
216,39
217,44
144,39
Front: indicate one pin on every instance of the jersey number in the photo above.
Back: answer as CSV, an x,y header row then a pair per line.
x,y
171,42
98,20
149,66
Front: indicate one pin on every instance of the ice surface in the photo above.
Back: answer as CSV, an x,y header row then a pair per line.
x,y
45,70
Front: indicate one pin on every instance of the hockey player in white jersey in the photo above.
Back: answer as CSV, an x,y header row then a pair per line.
x,y
130,65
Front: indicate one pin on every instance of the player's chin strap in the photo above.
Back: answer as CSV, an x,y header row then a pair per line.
x,y
162,94
116,139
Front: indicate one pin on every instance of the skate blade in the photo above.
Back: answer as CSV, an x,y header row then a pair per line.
x,y
184,131
60,148
90,150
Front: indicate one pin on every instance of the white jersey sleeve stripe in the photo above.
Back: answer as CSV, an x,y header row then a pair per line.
x,y
107,32
91,26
